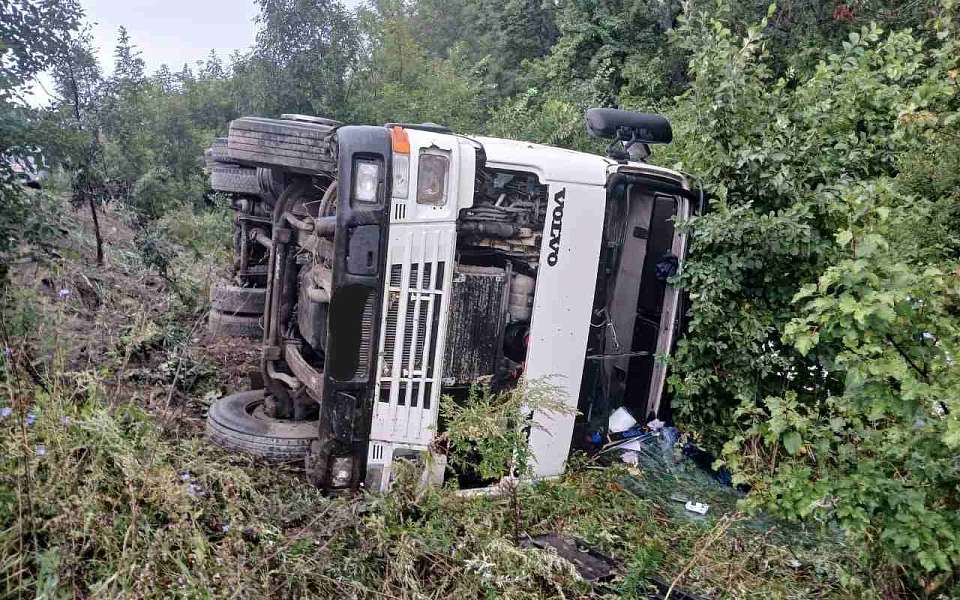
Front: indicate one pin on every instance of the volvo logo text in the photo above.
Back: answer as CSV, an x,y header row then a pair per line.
x,y
556,224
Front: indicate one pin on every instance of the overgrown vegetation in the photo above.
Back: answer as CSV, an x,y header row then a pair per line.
x,y
820,358
107,487
825,285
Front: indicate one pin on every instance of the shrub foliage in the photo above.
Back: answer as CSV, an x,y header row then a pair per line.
x,y
820,362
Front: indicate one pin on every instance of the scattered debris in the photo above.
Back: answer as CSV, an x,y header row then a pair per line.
x,y
593,566
634,443
704,460
620,420
663,589
697,507
596,567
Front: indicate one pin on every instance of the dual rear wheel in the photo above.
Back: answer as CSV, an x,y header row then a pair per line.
x,y
255,161
236,311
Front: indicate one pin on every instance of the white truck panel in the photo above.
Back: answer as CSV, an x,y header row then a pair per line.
x,y
561,313
420,267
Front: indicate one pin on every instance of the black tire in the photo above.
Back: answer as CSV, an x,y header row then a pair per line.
x,y
232,299
218,150
238,422
311,119
216,155
234,179
300,147
272,182
228,325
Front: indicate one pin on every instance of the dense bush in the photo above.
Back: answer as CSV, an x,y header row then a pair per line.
x,y
825,282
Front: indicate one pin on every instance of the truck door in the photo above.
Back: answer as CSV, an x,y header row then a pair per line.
x,y
636,310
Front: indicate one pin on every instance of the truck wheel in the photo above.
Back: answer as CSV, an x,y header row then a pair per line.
x,y
238,422
231,299
272,182
208,161
225,324
234,179
218,150
300,147
311,119
216,154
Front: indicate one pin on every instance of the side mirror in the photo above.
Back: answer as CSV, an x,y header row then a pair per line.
x,y
636,131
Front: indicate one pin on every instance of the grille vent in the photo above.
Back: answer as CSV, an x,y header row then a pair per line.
x,y
412,335
411,327
366,334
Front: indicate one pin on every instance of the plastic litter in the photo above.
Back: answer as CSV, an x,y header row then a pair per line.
x,y
630,457
697,507
629,433
631,445
628,443
621,420
668,439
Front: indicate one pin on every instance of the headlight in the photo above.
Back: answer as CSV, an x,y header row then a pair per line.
x,y
401,175
366,181
432,179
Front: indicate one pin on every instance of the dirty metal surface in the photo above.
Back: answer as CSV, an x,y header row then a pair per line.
x,y
596,567
475,330
590,564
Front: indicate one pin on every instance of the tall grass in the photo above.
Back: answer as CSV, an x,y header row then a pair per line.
x,y
109,490
103,499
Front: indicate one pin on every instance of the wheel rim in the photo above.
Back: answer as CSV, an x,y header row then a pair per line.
x,y
255,409
238,422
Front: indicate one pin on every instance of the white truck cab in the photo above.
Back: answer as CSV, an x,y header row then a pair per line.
x,y
452,260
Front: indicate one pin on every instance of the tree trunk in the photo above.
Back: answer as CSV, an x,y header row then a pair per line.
x,y
91,200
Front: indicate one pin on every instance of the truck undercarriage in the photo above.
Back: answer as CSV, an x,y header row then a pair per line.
x,y
401,263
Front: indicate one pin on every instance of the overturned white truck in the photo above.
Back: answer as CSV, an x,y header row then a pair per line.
x,y
407,262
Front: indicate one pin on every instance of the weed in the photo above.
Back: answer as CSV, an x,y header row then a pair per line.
x,y
121,509
103,492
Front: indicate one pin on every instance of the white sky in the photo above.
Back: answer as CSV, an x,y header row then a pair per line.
x,y
171,32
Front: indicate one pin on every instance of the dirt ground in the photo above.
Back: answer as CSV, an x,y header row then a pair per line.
x,y
123,320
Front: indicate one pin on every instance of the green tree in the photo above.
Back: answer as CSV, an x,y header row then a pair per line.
x,y
76,74
487,434
495,36
302,60
823,283
32,35
128,151
402,82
